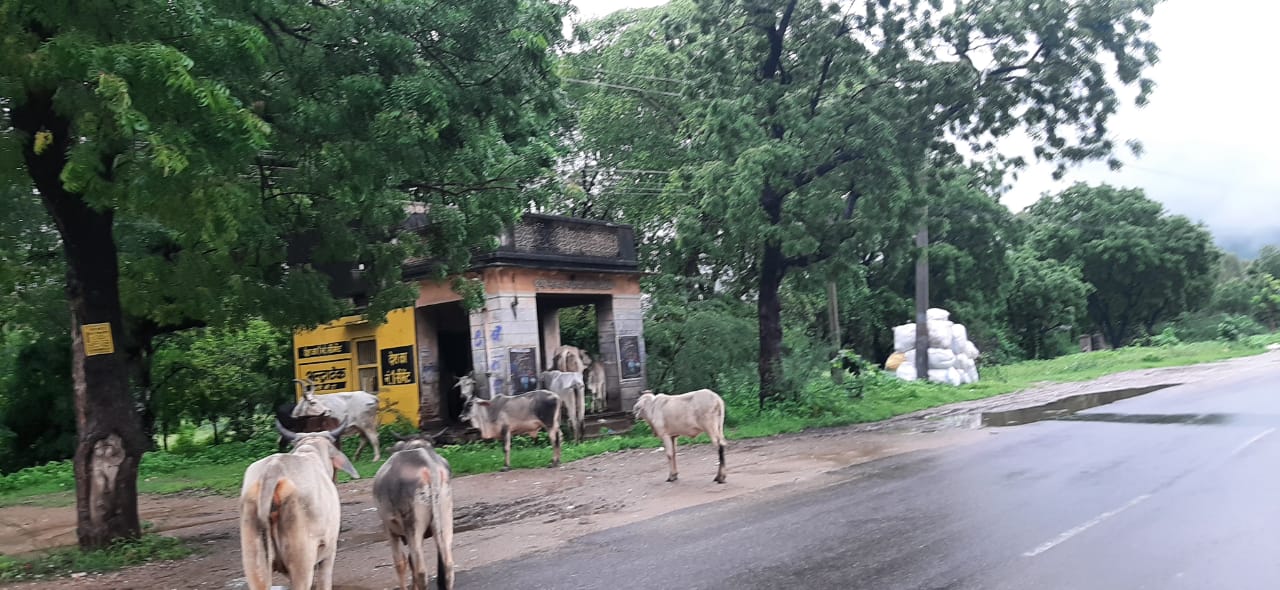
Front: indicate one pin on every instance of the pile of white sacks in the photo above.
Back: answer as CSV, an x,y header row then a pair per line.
x,y
951,354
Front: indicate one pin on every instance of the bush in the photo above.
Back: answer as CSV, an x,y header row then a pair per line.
x,y
1233,328
65,561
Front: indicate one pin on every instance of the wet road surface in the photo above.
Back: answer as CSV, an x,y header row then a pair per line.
x,y
1175,489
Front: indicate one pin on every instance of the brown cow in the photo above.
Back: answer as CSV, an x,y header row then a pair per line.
x,y
415,500
526,413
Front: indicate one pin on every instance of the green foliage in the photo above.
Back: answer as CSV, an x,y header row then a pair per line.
x,y
1233,328
213,373
1266,304
1044,296
578,328
36,409
1267,262
696,345
1144,265
62,562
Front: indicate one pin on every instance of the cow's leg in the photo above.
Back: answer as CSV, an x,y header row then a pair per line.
x,y
506,448
360,443
398,558
580,395
554,434
300,562
324,572
417,561
720,472
669,443
371,434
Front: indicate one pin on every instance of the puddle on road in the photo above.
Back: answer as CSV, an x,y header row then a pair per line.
x,y
1194,419
1066,408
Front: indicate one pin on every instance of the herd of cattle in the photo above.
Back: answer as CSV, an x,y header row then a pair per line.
x,y
290,512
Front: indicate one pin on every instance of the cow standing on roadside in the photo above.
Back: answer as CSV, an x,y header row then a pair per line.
x,y
415,500
359,409
290,512
526,413
687,414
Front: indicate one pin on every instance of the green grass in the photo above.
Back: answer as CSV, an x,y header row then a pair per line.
x,y
872,397
62,562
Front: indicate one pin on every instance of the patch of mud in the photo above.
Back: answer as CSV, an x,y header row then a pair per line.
x,y
1067,406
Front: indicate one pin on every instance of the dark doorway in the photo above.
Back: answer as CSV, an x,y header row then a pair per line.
x,y
455,355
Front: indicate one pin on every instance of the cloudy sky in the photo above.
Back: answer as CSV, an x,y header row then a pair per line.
x,y
1210,131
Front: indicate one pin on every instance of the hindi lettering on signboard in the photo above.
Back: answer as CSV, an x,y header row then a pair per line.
x,y
397,366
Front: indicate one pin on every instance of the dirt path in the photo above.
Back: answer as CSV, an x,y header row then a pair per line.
x,y
503,515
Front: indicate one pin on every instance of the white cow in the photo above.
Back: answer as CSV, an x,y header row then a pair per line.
x,y
596,386
572,392
359,409
687,414
290,512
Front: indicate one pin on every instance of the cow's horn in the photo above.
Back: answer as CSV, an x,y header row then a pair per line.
x,y
336,433
288,435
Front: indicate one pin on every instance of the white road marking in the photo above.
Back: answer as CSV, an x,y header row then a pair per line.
x,y
1064,537
1251,441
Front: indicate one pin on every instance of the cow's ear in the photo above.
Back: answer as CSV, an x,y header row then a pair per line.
x,y
483,402
340,461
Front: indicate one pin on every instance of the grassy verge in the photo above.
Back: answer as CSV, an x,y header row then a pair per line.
x,y
872,397
63,562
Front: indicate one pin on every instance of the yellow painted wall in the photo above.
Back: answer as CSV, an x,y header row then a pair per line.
x,y
327,356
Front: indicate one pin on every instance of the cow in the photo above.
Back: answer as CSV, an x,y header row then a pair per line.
x,y
571,389
596,386
568,358
359,409
290,511
687,414
526,413
284,415
415,500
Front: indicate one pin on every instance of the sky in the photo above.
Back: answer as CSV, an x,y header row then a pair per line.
x,y
1211,133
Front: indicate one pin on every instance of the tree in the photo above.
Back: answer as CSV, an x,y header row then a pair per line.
x,y
804,116
1266,304
244,159
1044,295
1144,265
1267,262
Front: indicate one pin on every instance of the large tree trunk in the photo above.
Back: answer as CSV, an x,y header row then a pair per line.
x,y
769,311
110,442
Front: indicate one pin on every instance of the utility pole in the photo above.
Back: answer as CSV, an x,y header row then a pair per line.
x,y
922,295
833,326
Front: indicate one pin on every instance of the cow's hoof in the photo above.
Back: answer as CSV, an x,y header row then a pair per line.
x,y
505,469
718,480
672,478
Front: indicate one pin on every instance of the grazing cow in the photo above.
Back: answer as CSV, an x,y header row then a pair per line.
x,y
571,389
569,358
415,501
597,388
359,409
290,512
526,413
687,414
284,415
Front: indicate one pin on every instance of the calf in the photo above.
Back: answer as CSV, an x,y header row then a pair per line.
x,y
687,414
414,499
596,386
290,512
505,415
570,388
359,409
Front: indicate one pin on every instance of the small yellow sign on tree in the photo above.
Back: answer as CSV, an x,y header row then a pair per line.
x,y
97,339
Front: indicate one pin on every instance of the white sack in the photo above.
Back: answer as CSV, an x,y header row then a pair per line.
x,y
906,372
936,313
941,358
940,334
904,337
971,351
959,336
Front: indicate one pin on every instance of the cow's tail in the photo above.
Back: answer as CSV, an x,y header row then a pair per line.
x,y
256,531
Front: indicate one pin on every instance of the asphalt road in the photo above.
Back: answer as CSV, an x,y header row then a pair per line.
x,y
1176,489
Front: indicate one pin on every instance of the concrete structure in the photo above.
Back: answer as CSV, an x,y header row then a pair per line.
x,y
543,264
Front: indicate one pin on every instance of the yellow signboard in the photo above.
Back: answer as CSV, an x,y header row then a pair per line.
x,y
328,376
97,339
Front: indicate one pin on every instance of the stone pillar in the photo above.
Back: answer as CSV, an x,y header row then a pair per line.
x,y
628,324
509,324
608,354
428,344
549,323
